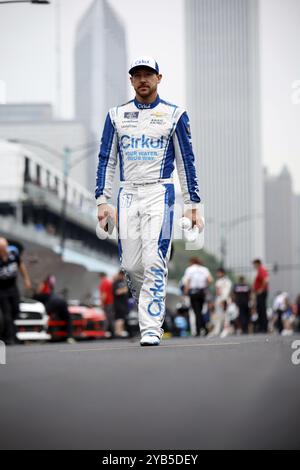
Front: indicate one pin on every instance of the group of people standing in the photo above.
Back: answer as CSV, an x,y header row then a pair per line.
x,y
232,305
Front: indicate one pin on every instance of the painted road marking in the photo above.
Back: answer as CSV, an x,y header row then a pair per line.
x,y
124,348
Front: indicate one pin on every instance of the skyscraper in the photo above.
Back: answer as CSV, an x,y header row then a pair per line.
x,y
100,67
280,231
223,98
296,246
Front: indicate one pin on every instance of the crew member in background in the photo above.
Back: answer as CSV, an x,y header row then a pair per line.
x,y
10,265
297,313
56,306
107,301
260,289
121,307
241,297
223,290
196,279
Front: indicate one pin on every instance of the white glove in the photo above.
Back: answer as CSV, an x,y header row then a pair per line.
x,y
103,234
191,234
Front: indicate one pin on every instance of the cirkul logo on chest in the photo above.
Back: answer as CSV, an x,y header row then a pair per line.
x,y
142,142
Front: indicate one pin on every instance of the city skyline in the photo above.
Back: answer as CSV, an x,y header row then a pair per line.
x,y
36,59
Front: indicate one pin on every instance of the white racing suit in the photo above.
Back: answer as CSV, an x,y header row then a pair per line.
x,y
147,140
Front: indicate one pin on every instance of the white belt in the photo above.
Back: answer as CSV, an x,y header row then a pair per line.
x,y
131,184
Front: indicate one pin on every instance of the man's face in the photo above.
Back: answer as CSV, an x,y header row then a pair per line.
x,y
256,266
145,81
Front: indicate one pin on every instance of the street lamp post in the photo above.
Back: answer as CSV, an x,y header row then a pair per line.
x,y
226,227
233,223
67,154
52,151
67,167
223,245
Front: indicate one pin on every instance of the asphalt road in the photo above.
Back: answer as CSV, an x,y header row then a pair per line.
x,y
237,393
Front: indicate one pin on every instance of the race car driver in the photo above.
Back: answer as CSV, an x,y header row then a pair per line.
x,y
148,135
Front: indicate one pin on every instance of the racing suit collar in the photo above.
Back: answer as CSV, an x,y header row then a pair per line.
x,y
147,105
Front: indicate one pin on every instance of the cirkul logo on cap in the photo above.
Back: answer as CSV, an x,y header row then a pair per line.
x,y
138,62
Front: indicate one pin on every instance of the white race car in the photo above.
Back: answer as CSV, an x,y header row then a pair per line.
x,y
32,321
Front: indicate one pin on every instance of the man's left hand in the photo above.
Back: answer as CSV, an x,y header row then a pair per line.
x,y
195,218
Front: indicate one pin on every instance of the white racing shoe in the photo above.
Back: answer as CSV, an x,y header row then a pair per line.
x,y
150,339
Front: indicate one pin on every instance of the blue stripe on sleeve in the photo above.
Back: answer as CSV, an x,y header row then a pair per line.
x,y
167,165
119,237
105,150
184,139
121,163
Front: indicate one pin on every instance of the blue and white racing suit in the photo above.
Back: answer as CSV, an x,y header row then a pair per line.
x,y
147,140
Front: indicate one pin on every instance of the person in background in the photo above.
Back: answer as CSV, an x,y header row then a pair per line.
x,y
196,279
10,265
288,318
279,306
260,289
241,296
121,307
45,289
223,291
297,314
56,305
107,301
231,313
284,315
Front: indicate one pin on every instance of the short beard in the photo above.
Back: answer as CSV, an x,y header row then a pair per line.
x,y
146,94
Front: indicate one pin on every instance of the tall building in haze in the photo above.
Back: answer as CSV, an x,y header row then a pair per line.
x,y
100,67
223,97
282,230
296,245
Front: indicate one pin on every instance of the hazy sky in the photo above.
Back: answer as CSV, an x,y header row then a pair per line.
x,y
28,60
280,58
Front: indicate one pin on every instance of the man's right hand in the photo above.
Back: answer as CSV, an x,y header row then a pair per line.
x,y
105,211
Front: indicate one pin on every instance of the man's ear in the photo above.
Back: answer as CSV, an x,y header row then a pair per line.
x,y
159,78
131,80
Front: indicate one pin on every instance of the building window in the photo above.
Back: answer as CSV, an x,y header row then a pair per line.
x,y
27,178
56,183
48,183
38,175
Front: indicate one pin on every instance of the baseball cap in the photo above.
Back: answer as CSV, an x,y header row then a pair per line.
x,y
144,61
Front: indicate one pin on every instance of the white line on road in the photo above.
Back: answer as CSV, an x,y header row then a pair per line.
x,y
123,348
